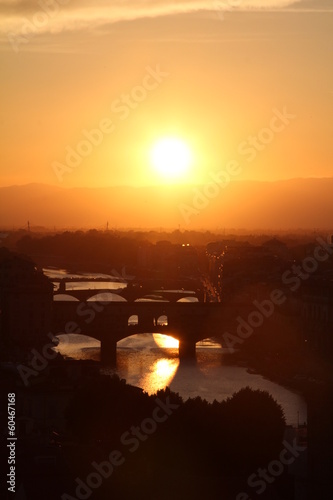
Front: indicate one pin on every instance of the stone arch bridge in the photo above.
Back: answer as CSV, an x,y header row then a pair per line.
x,y
172,291
109,322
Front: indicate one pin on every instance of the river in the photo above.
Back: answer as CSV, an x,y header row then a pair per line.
x,y
150,361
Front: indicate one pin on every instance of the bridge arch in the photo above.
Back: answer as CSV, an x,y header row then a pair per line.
x,y
148,299
162,320
83,341
106,297
60,297
188,299
208,343
133,320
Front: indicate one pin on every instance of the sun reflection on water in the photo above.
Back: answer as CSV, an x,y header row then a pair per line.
x,y
165,341
161,374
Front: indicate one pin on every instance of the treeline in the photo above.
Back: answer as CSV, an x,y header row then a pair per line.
x,y
177,237
105,251
189,449
79,248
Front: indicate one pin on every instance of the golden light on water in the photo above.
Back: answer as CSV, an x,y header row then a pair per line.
x,y
161,375
165,341
163,370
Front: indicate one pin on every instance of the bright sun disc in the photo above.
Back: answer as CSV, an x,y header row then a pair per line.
x,y
171,157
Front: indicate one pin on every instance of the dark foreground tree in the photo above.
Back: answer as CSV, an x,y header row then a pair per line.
x,y
195,443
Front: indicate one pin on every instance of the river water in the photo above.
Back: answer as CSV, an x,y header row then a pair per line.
x,y
150,361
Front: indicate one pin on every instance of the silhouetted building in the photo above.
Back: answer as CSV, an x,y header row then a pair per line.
x,y
320,442
26,297
317,314
235,265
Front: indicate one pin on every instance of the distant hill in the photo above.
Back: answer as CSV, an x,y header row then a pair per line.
x,y
290,204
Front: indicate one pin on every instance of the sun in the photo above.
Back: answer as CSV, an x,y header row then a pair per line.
x,y
171,158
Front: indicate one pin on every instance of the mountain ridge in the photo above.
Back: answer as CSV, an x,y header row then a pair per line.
x,y
293,203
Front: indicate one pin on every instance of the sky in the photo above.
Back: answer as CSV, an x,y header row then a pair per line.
x,y
89,87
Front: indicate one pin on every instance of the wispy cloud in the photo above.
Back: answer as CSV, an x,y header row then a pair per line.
x,y
59,15
142,5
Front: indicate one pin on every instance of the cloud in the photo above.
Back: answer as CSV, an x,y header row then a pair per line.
x,y
142,5
54,16
120,9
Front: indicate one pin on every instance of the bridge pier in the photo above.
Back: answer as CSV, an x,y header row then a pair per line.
x,y
108,351
187,350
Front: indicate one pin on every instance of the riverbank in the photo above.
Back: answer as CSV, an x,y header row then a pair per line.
x,y
301,372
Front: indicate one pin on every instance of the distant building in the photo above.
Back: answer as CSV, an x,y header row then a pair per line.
x,y
233,266
278,248
317,314
26,297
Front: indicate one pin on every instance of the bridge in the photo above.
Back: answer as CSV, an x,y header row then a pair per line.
x,y
110,322
172,290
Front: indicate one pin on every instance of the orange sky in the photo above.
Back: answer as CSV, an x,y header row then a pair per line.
x,y
221,79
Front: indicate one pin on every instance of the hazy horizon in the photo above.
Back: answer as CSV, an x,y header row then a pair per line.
x,y
111,186
276,205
